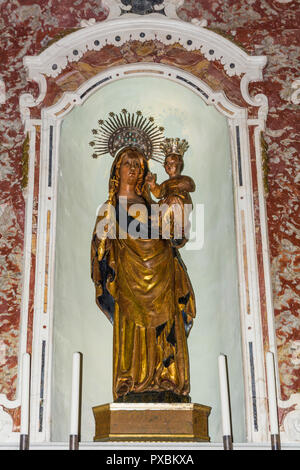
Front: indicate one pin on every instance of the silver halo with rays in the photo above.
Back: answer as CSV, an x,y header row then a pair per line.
x,y
128,130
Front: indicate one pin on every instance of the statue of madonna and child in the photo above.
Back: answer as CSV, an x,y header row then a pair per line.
x,y
141,282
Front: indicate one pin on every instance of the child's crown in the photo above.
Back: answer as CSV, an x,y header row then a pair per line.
x,y
174,145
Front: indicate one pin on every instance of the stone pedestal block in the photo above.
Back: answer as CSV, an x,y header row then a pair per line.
x,y
151,422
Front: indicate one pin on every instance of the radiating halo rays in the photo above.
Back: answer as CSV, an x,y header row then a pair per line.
x,y
128,130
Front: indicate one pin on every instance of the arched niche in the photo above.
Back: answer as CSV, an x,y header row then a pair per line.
x,y
210,256
68,73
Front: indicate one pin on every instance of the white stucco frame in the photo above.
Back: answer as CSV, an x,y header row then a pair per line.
x,y
192,36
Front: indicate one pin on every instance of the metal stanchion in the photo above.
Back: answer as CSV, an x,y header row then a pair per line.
x,y
225,405
25,402
227,443
75,402
272,396
24,442
74,442
275,442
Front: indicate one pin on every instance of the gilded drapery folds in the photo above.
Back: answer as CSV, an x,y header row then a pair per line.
x,y
143,288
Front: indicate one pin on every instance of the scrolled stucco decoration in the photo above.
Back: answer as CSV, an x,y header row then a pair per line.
x,y
171,7
118,31
27,101
134,8
120,27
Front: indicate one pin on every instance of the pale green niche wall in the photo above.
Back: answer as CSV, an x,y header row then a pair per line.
x,y
78,324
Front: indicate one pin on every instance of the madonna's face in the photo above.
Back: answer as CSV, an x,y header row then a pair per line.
x,y
130,168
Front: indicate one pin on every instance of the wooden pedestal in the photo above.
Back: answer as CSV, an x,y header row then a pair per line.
x,y
151,422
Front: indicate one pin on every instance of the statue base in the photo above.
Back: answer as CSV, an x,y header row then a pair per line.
x,y
151,422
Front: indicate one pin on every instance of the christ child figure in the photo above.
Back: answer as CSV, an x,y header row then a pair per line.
x,y
174,193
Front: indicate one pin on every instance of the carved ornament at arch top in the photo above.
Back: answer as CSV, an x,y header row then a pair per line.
x,y
68,63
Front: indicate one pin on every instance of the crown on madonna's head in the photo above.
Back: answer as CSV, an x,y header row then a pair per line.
x,y
128,130
174,146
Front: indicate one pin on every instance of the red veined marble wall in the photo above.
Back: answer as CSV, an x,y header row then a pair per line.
x,y
261,27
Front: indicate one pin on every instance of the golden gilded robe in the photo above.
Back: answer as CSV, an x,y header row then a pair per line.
x,y
143,288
